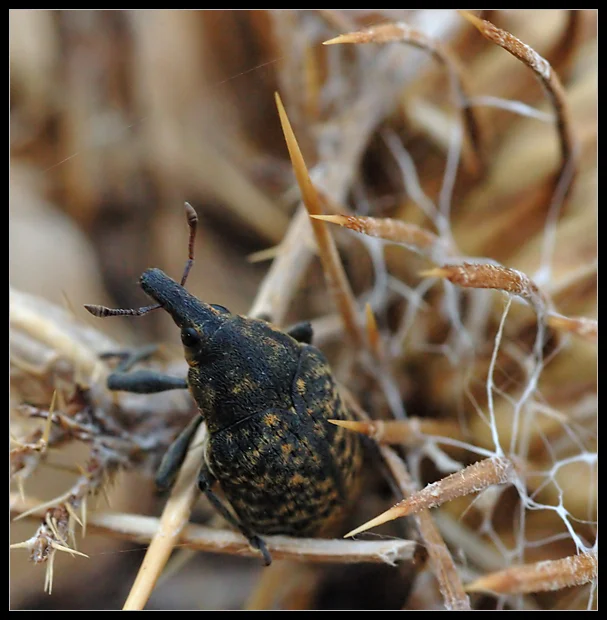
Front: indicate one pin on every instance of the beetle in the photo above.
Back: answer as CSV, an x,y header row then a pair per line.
x,y
265,396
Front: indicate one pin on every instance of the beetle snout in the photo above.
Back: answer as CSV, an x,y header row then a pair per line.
x,y
185,309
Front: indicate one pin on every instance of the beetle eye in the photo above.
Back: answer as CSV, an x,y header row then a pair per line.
x,y
189,337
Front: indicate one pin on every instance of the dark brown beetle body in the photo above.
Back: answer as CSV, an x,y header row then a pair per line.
x,y
282,466
266,397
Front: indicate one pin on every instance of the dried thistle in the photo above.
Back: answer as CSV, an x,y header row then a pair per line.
x,y
383,148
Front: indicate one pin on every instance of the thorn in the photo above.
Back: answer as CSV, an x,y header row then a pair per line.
x,y
343,38
264,255
59,547
73,513
477,22
49,504
49,419
83,513
334,219
389,515
48,576
358,427
26,544
55,528
436,272
52,523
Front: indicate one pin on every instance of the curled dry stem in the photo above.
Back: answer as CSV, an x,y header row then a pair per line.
x,y
549,79
402,32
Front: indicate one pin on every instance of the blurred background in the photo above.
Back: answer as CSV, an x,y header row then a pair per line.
x,y
118,117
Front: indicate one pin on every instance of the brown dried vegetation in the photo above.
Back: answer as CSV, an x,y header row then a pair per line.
x,y
474,172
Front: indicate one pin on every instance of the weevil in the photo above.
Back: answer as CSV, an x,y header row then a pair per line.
x,y
265,396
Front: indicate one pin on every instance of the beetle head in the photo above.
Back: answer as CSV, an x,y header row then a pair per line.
x,y
196,319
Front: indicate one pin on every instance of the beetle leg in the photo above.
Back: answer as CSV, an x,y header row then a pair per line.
x,y
175,455
302,332
130,358
140,381
205,482
144,382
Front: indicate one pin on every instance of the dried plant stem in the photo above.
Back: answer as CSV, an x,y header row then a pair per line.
x,y
142,529
544,576
580,326
337,281
470,541
284,584
472,479
56,335
541,67
570,152
286,271
441,561
401,32
174,518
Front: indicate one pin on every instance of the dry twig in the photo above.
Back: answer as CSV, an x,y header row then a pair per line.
x,y
541,67
442,562
142,529
174,517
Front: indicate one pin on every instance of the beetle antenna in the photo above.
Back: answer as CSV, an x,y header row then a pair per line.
x,y
103,311
192,222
